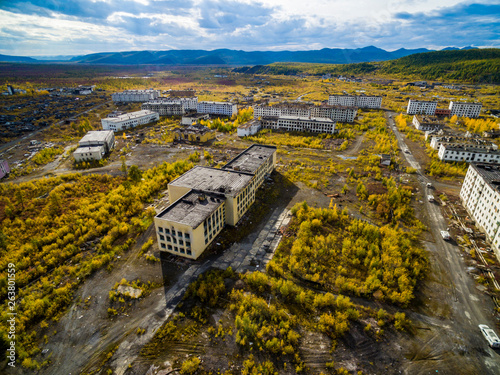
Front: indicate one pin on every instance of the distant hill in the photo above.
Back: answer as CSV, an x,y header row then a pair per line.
x,y
233,57
7,58
466,65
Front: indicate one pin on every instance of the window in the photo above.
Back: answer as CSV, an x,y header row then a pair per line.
x,y
160,229
167,231
170,247
162,245
188,252
179,234
181,242
176,248
162,238
186,235
168,238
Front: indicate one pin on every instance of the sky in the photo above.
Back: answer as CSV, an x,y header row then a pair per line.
x,y
77,27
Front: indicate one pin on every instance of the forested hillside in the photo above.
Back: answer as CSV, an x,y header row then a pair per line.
x,y
474,66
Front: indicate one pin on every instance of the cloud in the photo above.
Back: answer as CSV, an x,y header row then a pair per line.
x,y
78,26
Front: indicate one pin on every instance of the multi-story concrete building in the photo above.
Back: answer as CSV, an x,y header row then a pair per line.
x,y
217,108
129,120
335,112
461,109
468,154
194,133
302,124
171,106
427,123
421,107
437,141
94,145
480,196
360,101
139,96
282,109
204,200
249,128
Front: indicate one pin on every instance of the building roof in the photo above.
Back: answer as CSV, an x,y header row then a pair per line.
x,y
249,124
328,106
489,172
308,119
251,159
84,149
194,129
214,180
469,148
429,120
96,136
192,208
217,103
130,116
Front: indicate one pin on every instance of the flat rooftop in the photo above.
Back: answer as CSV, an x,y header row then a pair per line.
x,y
337,106
96,136
214,180
490,173
469,148
84,149
192,209
249,124
251,159
194,129
131,115
308,119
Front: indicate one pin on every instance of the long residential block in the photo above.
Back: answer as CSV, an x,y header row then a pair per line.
x,y
360,101
217,108
130,96
421,107
468,154
129,120
461,109
480,196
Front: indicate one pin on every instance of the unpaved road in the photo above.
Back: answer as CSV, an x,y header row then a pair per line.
x,y
454,342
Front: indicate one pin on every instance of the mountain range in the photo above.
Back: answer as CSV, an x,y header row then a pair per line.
x,y
232,57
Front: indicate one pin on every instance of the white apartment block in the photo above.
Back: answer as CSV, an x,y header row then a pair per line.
x,y
171,106
468,154
422,107
129,96
297,110
129,120
480,196
217,108
361,101
470,110
335,112
300,124
437,141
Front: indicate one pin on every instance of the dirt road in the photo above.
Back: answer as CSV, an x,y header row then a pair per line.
x,y
454,340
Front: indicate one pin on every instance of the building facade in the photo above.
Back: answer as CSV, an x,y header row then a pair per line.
x,y
335,112
194,118
480,196
460,109
300,124
468,154
360,101
94,145
130,96
427,123
217,108
129,120
204,200
421,107
4,168
249,128
194,134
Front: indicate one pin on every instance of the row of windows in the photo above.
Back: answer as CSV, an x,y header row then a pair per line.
x,y
174,240
173,232
176,249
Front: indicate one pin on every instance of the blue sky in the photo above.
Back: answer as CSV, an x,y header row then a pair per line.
x,y
75,27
